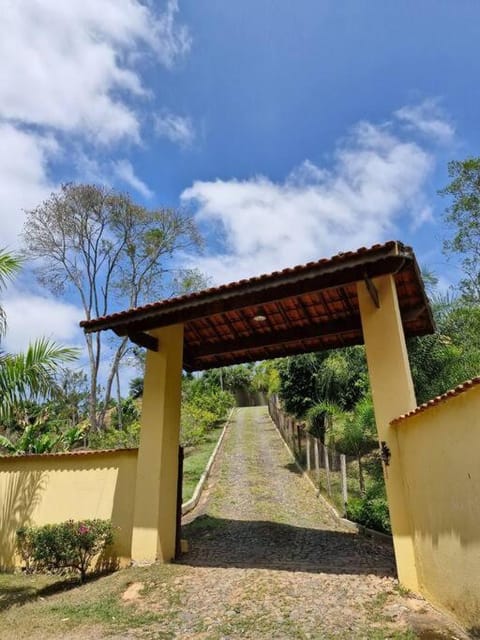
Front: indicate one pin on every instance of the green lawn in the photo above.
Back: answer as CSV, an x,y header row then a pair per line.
x,y
196,460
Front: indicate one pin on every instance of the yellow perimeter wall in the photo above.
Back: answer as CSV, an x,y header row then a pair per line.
x,y
41,489
440,455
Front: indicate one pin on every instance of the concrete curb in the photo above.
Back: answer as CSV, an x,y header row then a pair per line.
x,y
192,503
353,526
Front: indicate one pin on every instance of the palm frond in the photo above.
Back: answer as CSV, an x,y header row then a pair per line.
x,y
30,375
9,265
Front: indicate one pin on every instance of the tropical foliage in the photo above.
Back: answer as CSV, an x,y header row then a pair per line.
x,y
27,378
204,405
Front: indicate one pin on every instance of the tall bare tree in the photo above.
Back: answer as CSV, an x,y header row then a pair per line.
x,y
98,244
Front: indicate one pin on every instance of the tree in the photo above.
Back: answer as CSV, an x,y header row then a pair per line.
x,y
359,435
451,355
99,245
337,377
463,216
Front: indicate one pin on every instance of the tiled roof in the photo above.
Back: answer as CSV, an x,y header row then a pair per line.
x,y
236,285
461,388
66,454
311,307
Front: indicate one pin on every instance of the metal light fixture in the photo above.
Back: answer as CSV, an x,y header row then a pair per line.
x,y
385,453
260,315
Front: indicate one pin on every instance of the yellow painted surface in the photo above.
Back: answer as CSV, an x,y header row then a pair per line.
x,y
50,489
440,450
393,395
156,485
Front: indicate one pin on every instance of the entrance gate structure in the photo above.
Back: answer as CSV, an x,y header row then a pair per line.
x,y
371,296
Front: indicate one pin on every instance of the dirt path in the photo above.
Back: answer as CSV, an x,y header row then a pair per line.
x,y
262,513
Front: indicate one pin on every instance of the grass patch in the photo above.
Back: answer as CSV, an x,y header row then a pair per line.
x,y
196,460
18,588
35,610
108,611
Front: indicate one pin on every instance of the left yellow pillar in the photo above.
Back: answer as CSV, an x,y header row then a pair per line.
x,y
154,522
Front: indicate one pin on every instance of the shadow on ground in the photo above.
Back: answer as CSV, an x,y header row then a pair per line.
x,y
18,594
218,542
293,468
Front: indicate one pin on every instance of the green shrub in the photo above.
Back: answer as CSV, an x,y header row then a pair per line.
x,y
371,510
194,424
68,545
203,407
115,438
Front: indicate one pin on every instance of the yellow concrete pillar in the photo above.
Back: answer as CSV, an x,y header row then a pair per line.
x,y
393,394
156,482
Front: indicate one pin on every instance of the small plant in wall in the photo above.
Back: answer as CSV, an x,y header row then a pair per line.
x,y
63,546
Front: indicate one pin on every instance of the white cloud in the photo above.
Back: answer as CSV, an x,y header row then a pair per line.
x,y
429,119
171,40
376,179
72,67
175,128
123,169
68,65
24,181
31,316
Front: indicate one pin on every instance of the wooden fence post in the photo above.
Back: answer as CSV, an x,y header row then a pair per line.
x,y
316,450
309,466
327,470
343,466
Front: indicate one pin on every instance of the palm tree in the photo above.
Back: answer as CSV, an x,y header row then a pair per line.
x,y
29,375
9,265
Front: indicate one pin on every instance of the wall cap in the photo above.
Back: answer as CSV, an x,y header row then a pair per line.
x,y
456,391
67,454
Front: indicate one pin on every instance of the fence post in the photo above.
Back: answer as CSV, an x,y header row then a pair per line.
x,y
309,466
343,466
317,455
327,470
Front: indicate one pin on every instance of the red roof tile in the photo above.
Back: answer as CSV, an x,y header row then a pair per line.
x,y
461,388
308,308
232,286
66,454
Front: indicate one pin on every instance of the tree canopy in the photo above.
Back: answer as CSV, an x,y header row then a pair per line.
x,y
463,218
98,245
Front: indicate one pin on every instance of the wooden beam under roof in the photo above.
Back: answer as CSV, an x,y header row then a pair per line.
x,y
271,338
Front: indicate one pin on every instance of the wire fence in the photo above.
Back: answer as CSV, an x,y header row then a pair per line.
x,y
337,476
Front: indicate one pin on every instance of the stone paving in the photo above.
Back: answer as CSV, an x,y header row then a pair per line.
x,y
272,561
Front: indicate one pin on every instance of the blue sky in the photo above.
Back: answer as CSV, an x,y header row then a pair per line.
x,y
291,130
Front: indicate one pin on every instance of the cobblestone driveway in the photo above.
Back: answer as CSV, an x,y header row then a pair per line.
x,y
271,561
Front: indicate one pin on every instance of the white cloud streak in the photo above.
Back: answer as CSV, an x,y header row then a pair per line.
x,y
375,183
428,119
175,128
124,170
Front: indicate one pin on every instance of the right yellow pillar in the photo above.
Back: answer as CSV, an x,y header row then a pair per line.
x,y
393,394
